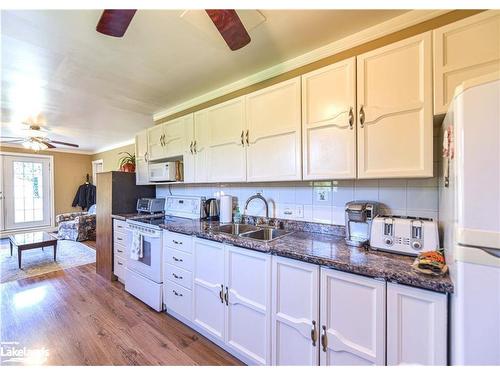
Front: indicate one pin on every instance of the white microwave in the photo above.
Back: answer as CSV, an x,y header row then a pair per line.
x,y
160,172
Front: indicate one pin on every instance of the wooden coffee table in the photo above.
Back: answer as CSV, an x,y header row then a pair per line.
x,y
32,240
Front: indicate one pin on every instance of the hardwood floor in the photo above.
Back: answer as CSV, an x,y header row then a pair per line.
x,y
83,319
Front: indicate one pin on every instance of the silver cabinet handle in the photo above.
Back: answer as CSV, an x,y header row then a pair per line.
x,y
351,118
314,333
119,251
247,137
120,263
146,157
194,148
362,116
177,242
324,339
221,293
161,140
177,259
177,294
191,147
226,296
176,276
119,238
242,141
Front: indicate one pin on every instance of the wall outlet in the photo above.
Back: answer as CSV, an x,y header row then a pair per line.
x,y
292,211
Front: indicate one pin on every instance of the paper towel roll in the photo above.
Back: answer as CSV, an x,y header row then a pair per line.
x,y
226,209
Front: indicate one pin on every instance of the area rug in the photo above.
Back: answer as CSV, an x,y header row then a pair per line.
x,y
37,261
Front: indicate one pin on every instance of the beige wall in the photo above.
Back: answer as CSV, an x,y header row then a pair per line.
x,y
110,158
70,170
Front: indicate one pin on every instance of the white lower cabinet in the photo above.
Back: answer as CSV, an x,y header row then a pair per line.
x,y
295,316
416,326
232,298
352,319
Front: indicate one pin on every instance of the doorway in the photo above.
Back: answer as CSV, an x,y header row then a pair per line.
x,y
26,191
97,167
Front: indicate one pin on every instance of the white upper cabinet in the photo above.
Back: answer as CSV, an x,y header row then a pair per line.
x,y
274,133
141,158
175,135
328,121
465,49
225,143
156,150
394,100
416,326
295,317
352,319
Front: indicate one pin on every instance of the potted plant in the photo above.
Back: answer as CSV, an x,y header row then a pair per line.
x,y
127,162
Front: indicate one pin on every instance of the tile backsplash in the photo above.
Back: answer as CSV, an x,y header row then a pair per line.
x,y
322,201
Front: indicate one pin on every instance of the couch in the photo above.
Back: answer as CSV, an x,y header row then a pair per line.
x,y
77,226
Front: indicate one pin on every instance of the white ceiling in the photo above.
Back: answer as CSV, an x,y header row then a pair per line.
x,y
98,91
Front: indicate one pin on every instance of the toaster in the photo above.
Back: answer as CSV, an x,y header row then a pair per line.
x,y
404,235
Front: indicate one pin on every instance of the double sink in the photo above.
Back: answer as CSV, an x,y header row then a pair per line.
x,y
264,234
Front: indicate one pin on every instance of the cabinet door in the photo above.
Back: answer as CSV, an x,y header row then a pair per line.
x,y
295,317
189,156
395,110
226,152
176,142
248,314
328,121
200,146
155,143
273,120
208,306
465,49
416,326
352,318
141,158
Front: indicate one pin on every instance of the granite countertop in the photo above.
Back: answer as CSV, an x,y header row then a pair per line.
x,y
329,250
134,215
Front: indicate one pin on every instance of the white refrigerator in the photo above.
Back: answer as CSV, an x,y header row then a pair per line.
x,y
469,213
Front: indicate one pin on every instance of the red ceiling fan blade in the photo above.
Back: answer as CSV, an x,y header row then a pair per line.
x,y
65,143
230,27
114,22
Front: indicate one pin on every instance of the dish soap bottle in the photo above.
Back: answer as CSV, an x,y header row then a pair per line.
x,y
237,216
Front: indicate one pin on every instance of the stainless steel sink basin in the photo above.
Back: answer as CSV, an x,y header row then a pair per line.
x,y
236,229
265,234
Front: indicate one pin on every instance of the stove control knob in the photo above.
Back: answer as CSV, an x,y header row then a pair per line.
x,y
416,245
388,241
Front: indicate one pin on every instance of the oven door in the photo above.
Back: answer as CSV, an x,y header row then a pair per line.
x,y
150,264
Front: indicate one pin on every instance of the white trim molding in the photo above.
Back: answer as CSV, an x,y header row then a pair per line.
x,y
116,145
395,24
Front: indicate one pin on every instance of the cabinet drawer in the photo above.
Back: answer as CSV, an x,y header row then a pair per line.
x,y
178,299
119,267
119,225
119,250
178,241
178,275
120,239
179,259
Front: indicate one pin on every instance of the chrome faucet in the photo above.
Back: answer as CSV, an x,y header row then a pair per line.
x,y
257,196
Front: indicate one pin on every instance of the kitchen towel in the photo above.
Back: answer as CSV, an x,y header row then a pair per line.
x,y
136,252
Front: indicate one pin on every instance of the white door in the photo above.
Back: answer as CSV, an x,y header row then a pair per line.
x,y
295,316
274,136
416,326
156,149
141,158
208,302
248,313
200,146
226,152
395,110
329,121
352,319
176,132
97,167
27,192
463,50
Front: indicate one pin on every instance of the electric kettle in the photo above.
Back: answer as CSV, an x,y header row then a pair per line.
x,y
212,209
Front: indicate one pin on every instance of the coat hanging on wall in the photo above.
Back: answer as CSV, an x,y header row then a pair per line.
x,y
85,195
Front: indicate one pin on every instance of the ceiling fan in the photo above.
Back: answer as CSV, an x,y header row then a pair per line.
x,y
114,22
36,140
